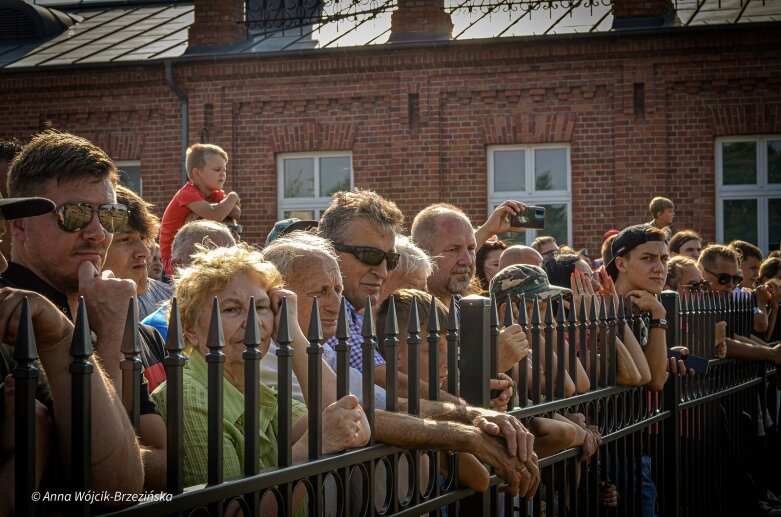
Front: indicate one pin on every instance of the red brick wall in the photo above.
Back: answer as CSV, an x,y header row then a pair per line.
x,y
696,85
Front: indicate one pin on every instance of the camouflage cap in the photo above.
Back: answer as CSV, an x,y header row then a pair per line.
x,y
524,279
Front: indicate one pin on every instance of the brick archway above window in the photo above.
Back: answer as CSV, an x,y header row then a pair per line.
x,y
531,128
119,146
313,136
746,120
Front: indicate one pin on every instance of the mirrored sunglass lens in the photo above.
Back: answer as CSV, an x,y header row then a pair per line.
x,y
74,217
113,218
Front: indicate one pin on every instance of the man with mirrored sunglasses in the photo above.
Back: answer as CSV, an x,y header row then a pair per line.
x,y
720,265
61,256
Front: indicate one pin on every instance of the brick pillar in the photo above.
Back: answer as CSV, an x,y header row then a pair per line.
x,y
217,23
420,20
642,14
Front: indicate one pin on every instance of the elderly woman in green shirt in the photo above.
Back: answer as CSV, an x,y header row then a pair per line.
x,y
233,275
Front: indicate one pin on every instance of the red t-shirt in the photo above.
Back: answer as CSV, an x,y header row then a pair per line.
x,y
175,215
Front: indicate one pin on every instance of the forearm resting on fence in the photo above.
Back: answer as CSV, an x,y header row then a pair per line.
x,y
627,373
116,458
638,356
406,431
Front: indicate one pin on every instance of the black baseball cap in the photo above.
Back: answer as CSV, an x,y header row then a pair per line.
x,y
630,238
18,207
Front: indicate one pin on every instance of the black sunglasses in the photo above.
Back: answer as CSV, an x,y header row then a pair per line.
x,y
370,256
73,217
725,278
702,286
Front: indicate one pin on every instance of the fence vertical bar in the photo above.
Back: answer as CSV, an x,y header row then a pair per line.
x,y
433,350
536,332
413,359
391,348
560,350
215,362
315,403
474,368
81,406
523,366
174,364
131,366
453,343
342,349
508,321
593,341
549,346
252,357
285,401
26,380
369,344
603,347
611,342
452,388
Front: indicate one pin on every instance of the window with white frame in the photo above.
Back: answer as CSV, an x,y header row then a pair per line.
x,y
130,175
536,175
305,182
748,190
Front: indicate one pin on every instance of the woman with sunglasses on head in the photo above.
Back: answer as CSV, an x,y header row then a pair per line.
x,y
684,276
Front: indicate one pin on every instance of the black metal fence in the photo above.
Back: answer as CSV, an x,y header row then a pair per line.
x,y
700,447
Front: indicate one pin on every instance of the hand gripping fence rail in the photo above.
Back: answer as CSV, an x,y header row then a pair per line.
x,y
704,445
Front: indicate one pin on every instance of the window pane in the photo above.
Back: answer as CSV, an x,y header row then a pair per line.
x,y
299,177
774,223
555,223
774,161
304,215
334,175
550,169
740,163
130,177
509,171
740,220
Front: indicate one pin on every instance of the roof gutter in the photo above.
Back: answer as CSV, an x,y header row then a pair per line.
x,y
185,105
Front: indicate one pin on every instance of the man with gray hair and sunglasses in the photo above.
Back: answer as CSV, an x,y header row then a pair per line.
x,y
61,256
362,226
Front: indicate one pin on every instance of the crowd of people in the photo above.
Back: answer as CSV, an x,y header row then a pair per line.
x,y
77,233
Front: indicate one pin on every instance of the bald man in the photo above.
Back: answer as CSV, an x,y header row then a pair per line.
x,y
520,254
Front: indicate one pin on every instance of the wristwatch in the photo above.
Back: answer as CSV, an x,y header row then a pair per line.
x,y
660,323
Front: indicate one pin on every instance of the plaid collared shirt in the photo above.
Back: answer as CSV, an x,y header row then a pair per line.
x,y
196,423
355,322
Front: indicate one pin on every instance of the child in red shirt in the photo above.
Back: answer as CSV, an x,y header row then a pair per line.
x,y
202,196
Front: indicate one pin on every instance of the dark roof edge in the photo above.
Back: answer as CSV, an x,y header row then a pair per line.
x,y
108,4
185,58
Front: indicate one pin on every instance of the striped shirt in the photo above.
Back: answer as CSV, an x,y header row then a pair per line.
x,y
354,323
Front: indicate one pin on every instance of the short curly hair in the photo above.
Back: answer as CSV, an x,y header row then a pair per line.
x,y
210,272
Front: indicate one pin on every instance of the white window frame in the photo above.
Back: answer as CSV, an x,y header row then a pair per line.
x,y
530,196
761,191
318,203
133,163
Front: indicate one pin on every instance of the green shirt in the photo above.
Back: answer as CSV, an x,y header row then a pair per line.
x,y
196,403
